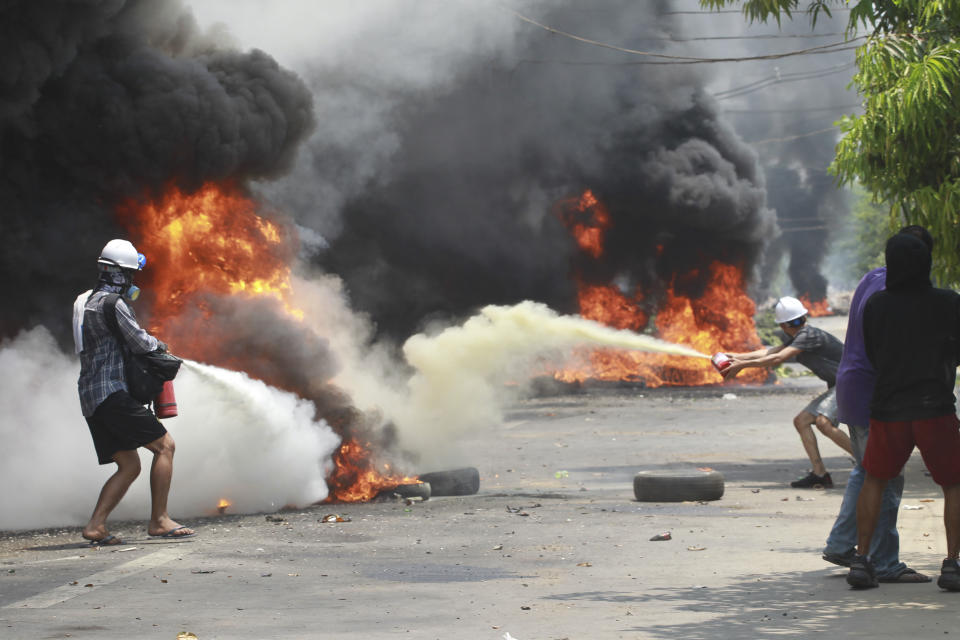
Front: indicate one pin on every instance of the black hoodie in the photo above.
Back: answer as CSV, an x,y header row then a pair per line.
x,y
911,333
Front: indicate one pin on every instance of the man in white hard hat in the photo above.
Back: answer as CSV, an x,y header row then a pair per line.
x,y
119,424
820,352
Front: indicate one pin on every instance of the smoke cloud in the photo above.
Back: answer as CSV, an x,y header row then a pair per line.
x,y
237,439
106,101
786,110
442,151
423,150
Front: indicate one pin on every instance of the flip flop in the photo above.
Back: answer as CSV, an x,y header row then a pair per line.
x,y
106,541
907,576
172,533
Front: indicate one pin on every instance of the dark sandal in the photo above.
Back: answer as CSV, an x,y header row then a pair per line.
x,y
907,576
108,540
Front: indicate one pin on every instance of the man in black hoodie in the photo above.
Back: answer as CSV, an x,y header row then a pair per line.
x,y
911,334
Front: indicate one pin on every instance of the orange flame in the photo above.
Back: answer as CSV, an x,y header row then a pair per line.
x,y
211,241
357,479
588,221
214,241
606,304
818,308
720,320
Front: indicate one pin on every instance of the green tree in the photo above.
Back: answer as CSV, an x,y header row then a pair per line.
x,y
905,148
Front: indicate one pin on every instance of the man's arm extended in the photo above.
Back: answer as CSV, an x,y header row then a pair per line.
x,y
765,358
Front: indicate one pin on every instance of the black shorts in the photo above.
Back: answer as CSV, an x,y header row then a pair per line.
x,y
120,423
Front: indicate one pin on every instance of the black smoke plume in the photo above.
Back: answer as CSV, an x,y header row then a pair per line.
x,y
464,212
786,109
105,101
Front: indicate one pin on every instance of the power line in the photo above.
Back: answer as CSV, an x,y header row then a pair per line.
x,y
796,137
670,59
771,36
779,78
691,13
801,110
712,12
819,228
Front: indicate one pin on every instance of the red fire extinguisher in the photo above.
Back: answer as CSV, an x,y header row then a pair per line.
x,y
720,361
165,402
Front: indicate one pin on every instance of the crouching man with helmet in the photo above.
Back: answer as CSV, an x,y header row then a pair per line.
x,y
820,352
118,423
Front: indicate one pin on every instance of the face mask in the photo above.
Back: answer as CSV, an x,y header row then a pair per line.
x,y
133,292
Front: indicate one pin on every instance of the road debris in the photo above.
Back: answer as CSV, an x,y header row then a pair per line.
x,y
661,536
332,517
520,510
912,507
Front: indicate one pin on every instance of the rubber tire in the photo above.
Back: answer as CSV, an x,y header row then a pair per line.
x,y
456,482
678,486
421,490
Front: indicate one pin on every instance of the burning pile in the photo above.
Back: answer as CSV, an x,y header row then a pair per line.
x,y
216,255
720,320
817,308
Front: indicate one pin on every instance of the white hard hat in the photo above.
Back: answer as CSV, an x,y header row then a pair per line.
x,y
788,309
121,253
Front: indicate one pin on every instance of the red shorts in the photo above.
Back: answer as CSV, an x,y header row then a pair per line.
x,y
890,444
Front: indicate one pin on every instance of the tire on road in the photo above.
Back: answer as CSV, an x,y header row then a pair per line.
x,y
678,486
421,490
456,482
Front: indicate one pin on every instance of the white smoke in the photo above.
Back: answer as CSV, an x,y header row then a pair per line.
x,y
455,379
461,373
237,439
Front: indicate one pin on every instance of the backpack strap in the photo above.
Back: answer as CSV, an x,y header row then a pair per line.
x,y
110,314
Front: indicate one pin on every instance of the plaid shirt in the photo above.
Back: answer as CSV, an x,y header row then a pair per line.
x,y
101,361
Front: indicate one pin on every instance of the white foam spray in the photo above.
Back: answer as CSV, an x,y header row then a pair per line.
x,y
462,372
237,438
462,376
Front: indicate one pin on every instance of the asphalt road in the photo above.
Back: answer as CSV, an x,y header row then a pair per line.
x,y
554,545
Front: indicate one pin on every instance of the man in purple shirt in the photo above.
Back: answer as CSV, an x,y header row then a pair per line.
x,y
855,382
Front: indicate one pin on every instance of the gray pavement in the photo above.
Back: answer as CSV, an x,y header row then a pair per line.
x,y
537,554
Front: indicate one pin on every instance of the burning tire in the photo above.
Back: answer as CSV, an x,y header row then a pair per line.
x,y
678,486
457,482
420,490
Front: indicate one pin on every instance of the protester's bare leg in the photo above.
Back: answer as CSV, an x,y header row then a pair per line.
x,y
951,519
128,468
831,430
868,510
161,473
803,423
